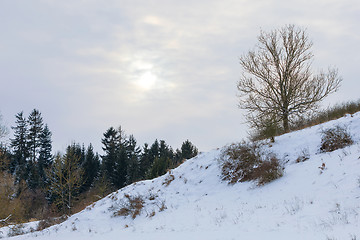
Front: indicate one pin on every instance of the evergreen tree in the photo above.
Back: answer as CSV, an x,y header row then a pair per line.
x,y
31,149
159,167
154,151
133,155
110,147
115,158
35,122
19,148
145,162
45,156
91,167
165,150
162,156
188,150
120,170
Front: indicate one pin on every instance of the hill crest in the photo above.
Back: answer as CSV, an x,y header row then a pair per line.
x,y
315,199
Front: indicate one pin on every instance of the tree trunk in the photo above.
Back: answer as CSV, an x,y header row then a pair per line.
x,y
286,122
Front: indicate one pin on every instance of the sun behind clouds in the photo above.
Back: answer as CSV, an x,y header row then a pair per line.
x,y
147,81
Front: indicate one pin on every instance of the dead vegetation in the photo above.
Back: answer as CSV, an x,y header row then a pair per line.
x,y
245,162
134,206
304,156
131,206
48,222
169,178
335,138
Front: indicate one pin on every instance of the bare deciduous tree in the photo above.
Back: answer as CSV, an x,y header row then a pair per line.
x,y
277,84
3,128
65,178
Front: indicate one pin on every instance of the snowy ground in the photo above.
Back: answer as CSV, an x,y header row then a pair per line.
x,y
306,203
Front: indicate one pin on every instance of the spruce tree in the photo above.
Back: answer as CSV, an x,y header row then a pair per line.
x,y
162,156
91,167
120,170
36,127
110,147
154,151
188,150
35,123
133,165
115,158
145,163
45,156
19,148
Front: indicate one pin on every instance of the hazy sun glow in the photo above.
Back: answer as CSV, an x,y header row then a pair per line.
x,y
147,80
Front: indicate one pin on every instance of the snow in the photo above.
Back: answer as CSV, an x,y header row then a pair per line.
x,y
306,203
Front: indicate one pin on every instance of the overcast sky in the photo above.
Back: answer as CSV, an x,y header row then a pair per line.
x,y
162,69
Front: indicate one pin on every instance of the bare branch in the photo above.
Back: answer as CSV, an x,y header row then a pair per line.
x,y
277,80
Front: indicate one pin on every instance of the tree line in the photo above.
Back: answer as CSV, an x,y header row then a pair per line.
x,y
54,184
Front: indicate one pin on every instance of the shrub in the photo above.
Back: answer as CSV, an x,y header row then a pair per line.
x,y
304,156
238,161
16,230
335,138
48,222
267,171
132,206
246,162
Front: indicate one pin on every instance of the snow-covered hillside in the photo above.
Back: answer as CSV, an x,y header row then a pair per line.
x,y
191,202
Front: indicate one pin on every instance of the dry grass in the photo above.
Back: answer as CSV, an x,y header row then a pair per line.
x,y
331,113
48,222
304,156
16,230
168,179
132,206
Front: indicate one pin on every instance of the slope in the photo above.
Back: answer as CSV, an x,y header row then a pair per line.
x,y
192,202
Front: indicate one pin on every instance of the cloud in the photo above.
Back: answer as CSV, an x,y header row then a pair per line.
x,y
162,69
